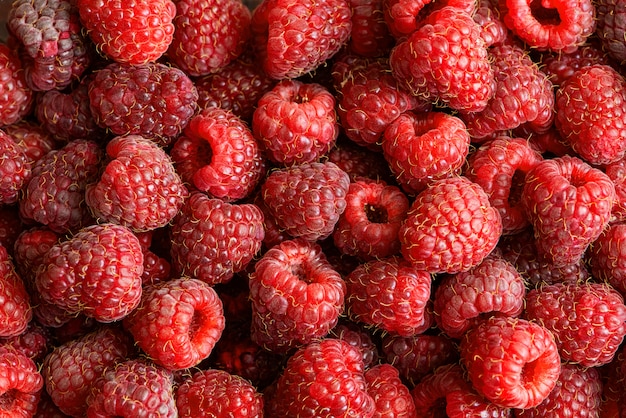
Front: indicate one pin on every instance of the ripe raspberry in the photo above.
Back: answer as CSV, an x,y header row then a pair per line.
x,y
218,154
559,25
559,66
96,272
370,36
20,384
391,396
359,162
617,173
323,378
512,362
610,28
216,393
15,312
155,268
607,256
307,200
15,169
446,60
154,100
11,226
16,97
133,388
588,320
211,240
34,342
135,32
70,369
489,18
47,409
296,122
424,147
357,336
450,227
293,38
389,294
296,296
568,202
34,139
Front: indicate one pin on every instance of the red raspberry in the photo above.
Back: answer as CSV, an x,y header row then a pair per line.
x,y
610,27
70,369
154,100
16,97
450,227
133,388
512,362
15,169
139,187
607,256
322,378
424,147
307,200
370,36
218,154
11,226
177,322
549,142
559,25
34,342
283,314
135,32
96,272
357,336
293,37
446,60
15,309
568,202
617,173
389,294
391,396
155,267
560,66
588,320
47,409
489,18
211,240
34,139
216,393
296,122
359,162
20,384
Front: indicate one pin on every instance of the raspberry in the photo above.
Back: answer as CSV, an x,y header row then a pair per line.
x,y
307,200
391,396
370,36
489,18
218,154
11,226
34,342
357,336
139,187
617,173
559,66
610,28
211,240
34,139
359,162
293,38
587,319
512,362
296,296
20,383
214,393
421,148
295,122
154,100
450,227
96,272
15,313
607,256
47,409
568,202
15,169
16,97
129,32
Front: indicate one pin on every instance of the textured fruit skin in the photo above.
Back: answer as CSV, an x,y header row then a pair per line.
x,y
70,369
323,378
436,386
512,362
588,320
208,35
607,256
391,396
96,272
307,200
610,28
15,311
129,32
359,162
370,36
617,173
295,122
211,240
358,336
34,342
450,207
139,188
216,393
154,100
591,113
34,139
389,294
559,66
15,169
568,203
16,97
296,296
20,383
293,37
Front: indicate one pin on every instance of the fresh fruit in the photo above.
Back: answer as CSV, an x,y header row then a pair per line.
x,y
16,97
391,396
15,169
15,311
20,383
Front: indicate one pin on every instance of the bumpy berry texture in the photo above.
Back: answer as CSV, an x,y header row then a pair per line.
x,y
15,311
607,256
450,227
359,162
560,66
357,336
16,97
211,240
129,32
35,342
35,140
370,36
611,29
391,396
296,296
617,173
20,384
15,169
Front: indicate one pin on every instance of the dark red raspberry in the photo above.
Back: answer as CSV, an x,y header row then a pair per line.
x,y
34,342
610,28
512,362
154,100
370,36
70,369
47,409
607,256
155,268
450,227
307,200
391,396
11,226
588,319
617,173
293,37
211,240
359,162
422,147
569,203
129,32
489,18
296,122
218,154
15,169
35,140
357,335
560,66
283,314
548,143
20,384
16,97
96,272
215,393
15,309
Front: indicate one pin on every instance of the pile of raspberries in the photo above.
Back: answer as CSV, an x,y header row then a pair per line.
x,y
313,208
